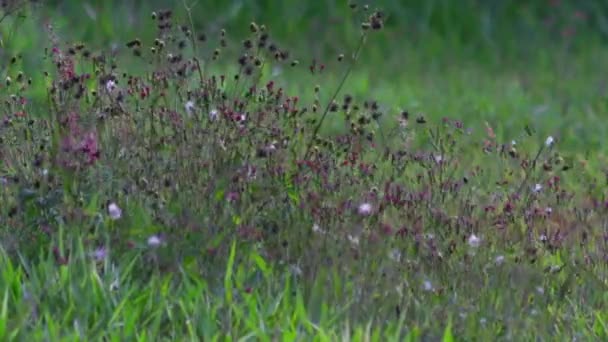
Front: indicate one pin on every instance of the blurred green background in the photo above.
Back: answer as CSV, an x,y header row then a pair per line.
x,y
510,63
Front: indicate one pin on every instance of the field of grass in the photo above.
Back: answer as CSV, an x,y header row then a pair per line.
x,y
303,171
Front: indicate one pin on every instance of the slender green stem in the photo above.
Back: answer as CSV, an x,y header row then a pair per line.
x,y
331,100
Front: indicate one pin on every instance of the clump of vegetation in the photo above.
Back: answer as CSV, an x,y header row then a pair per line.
x,y
193,196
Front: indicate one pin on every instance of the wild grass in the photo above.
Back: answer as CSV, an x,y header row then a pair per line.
x,y
196,185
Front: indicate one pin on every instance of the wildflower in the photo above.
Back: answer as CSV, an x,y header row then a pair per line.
x,y
154,241
189,107
365,209
513,143
474,241
90,147
353,239
110,85
100,253
537,188
427,285
549,141
295,270
114,211
317,229
213,115
499,260
395,255
240,117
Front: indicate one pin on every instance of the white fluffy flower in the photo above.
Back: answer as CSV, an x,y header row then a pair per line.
x,y
499,260
427,285
213,115
189,107
549,141
474,241
110,85
317,229
537,188
114,211
353,239
395,255
365,209
154,241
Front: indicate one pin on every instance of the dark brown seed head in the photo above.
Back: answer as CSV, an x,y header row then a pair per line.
x,y
376,24
248,70
134,42
333,107
253,27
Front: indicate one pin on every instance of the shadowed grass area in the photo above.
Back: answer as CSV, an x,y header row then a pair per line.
x,y
174,172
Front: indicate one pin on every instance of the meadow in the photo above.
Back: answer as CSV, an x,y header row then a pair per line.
x,y
303,171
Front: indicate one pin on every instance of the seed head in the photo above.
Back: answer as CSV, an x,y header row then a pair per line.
x,y
253,27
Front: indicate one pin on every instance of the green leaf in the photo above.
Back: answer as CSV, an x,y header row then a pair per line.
x,y
4,314
228,276
447,334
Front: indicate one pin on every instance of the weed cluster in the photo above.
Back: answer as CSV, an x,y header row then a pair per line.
x,y
182,154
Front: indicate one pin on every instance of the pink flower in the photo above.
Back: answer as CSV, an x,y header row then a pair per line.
x,y
90,147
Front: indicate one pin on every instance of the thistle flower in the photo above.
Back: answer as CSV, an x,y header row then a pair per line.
x,y
154,241
189,107
110,86
364,209
100,253
213,115
474,241
317,229
499,259
114,211
427,285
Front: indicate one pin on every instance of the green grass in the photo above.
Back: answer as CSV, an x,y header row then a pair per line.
x,y
221,238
